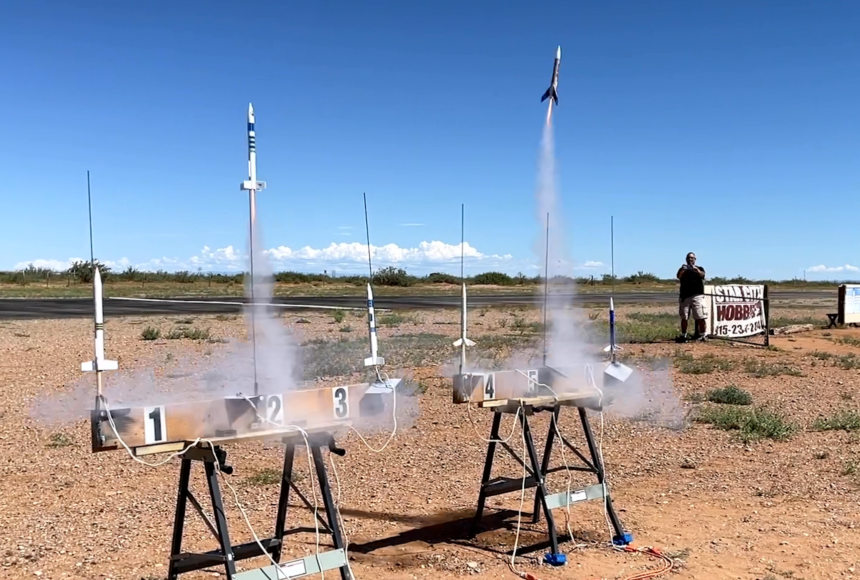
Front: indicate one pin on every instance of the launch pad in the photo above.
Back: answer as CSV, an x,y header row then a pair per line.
x,y
172,427
523,393
214,458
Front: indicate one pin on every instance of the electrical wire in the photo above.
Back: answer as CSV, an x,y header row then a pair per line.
x,y
386,382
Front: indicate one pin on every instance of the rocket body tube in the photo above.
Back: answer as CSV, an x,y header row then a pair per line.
x,y
463,342
552,91
99,363
374,359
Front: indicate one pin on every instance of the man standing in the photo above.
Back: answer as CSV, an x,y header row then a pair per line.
x,y
692,298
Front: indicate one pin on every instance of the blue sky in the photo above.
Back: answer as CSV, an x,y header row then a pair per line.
x,y
730,129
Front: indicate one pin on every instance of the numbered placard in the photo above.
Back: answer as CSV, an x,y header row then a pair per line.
x,y
490,388
340,396
154,425
533,380
271,408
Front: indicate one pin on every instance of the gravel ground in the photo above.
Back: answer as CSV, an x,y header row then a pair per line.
x,y
722,507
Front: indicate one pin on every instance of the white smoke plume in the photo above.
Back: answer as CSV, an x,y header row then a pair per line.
x,y
270,357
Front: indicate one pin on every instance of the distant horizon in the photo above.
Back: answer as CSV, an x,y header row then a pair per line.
x,y
454,271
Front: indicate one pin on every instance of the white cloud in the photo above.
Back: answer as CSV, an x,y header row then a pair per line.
x,y
342,255
344,227
591,265
426,252
409,225
823,268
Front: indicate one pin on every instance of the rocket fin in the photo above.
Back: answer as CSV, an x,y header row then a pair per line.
x,y
103,365
459,342
374,361
550,93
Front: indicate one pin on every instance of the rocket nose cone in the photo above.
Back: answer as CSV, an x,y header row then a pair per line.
x,y
97,277
250,113
369,292
611,305
558,53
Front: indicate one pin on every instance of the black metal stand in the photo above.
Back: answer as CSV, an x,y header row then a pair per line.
x,y
537,472
227,554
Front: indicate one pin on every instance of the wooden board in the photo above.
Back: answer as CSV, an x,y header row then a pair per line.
x,y
234,418
282,434
501,387
589,401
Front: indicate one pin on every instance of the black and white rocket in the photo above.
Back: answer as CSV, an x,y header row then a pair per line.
x,y
252,186
552,91
374,359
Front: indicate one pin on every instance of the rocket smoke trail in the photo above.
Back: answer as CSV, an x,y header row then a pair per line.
x,y
568,343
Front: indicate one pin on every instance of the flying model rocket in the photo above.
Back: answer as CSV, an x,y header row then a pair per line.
x,y
552,91
252,184
374,359
463,342
99,363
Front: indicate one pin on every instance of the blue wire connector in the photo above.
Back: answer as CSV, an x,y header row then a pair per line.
x,y
555,559
624,539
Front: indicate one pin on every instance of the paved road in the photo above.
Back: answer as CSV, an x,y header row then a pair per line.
x,y
14,308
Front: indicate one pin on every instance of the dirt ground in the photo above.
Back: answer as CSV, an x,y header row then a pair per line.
x,y
719,506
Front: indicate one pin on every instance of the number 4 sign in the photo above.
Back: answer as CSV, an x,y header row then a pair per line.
x,y
490,388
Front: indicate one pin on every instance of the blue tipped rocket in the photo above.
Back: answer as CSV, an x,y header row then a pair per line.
x,y
614,371
613,346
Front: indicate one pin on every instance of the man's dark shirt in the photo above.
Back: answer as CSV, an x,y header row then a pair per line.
x,y
692,284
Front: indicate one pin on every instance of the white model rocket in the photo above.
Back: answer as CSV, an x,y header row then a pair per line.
x,y
463,342
374,359
252,184
99,363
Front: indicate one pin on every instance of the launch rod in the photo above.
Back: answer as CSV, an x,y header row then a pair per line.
x,y
612,249
90,204
93,268
253,212
462,241
367,230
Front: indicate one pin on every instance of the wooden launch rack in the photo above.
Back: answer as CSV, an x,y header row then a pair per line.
x,y
528,392
201,428
226,555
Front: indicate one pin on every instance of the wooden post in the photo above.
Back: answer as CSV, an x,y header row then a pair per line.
x,y
766,306
840,318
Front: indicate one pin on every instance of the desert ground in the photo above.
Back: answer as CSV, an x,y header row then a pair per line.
x,y
750,470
